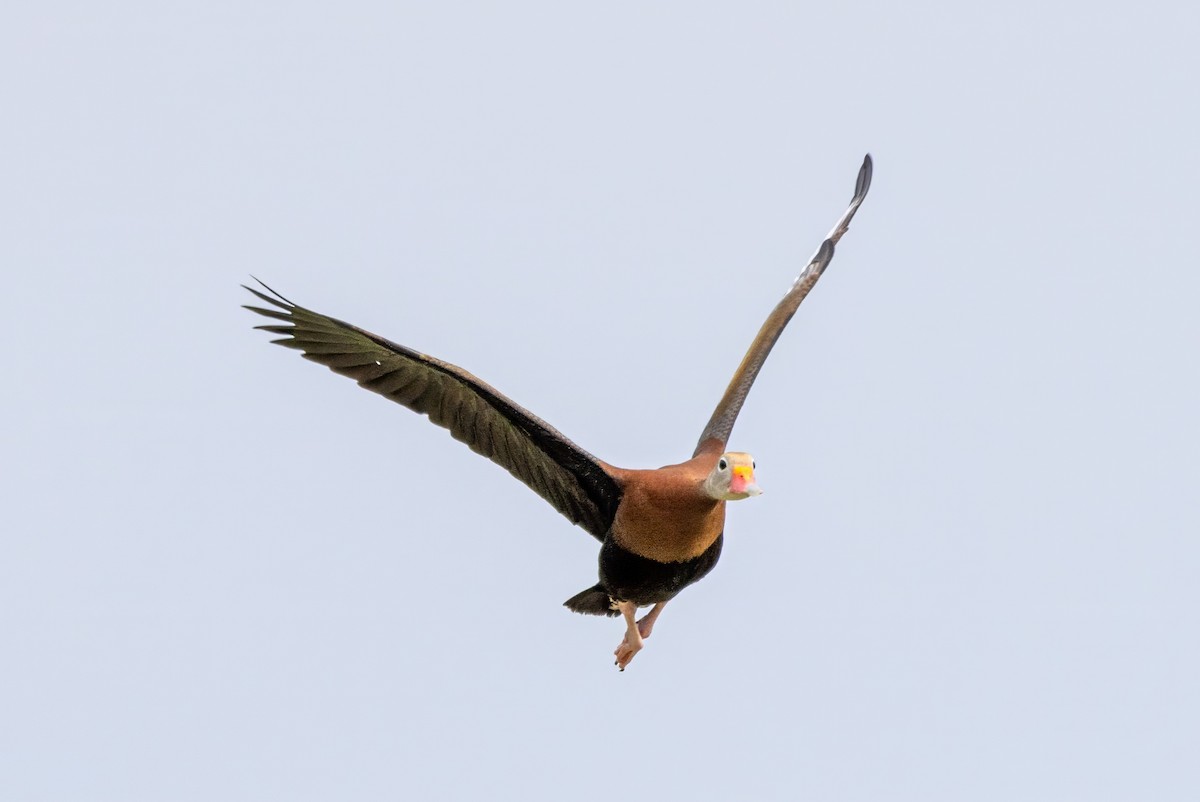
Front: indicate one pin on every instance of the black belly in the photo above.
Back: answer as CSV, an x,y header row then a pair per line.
x,y
630,577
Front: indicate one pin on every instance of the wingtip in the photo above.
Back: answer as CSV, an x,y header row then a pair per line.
x,y
279,300
864,177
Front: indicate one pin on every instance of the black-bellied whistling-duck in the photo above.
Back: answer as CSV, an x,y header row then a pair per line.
x,y
660,530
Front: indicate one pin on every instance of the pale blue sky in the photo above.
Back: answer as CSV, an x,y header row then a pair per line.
x,y
227,574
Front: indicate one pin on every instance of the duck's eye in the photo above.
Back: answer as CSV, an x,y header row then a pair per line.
x,y
753,465
722,465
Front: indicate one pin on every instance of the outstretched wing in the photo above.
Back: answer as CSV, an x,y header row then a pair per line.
x,y
572,480
716,433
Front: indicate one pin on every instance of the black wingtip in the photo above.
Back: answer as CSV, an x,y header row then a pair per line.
x,y
269,289
278,300
864,178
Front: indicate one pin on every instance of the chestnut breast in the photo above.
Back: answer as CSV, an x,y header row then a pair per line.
x,y
665,515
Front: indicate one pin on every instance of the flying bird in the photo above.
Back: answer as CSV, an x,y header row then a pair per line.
x,y
660,530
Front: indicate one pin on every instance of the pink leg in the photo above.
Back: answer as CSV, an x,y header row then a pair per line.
x,y
646,625
632,643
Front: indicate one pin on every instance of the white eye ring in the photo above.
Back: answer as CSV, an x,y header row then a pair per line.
x,y
722,465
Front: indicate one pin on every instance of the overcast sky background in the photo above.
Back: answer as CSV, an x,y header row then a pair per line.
x,y
228,574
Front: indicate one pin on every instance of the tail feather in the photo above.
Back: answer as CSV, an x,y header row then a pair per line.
x,y
593,601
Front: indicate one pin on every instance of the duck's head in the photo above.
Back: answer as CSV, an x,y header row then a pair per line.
x,y
732,478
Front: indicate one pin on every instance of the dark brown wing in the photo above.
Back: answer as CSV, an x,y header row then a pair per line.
x,y
716,433
572,480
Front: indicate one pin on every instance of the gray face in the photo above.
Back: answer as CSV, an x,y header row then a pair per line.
x,y
732,478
